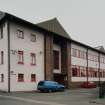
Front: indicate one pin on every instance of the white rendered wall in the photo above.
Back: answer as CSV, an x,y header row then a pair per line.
x,y
4,67
28,47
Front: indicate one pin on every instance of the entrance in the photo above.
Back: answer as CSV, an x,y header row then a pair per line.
x,y
59,78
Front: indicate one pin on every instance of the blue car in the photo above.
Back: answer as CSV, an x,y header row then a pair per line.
x,y
50,86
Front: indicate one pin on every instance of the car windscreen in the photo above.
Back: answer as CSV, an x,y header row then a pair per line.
x,y
41,83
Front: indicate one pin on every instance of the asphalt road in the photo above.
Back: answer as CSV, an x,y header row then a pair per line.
x,y
7,101
69,97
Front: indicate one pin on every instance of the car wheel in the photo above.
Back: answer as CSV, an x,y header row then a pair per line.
x,y
42,91
50,90
53,90
46,91
62,89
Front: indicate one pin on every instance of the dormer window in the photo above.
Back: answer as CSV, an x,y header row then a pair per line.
x,y
20,34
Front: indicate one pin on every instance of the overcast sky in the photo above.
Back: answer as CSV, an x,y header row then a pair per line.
x,y
84,20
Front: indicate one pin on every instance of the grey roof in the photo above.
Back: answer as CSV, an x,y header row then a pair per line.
x,y
53,25
2,14
101,48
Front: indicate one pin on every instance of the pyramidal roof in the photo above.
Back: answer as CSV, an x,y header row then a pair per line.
x,y
101,48
53,25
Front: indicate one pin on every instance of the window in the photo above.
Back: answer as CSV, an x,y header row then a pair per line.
x,y
2,57
93,72
102,59
20,57
1,32
20,34
33,37
82,71
56,59
83,54
74,52
20,77
33,77
78,53
33,59
78,71
74,71
2,77
96,58
92,57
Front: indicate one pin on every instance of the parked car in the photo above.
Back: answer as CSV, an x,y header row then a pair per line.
x,y
50,86
88,85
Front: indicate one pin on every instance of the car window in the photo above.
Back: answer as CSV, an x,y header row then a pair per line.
x,y
41,83
56,83
50,83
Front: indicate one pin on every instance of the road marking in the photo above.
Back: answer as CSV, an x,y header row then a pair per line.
x,y
30,100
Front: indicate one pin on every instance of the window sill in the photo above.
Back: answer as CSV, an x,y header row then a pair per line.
x,y
20,63
20,81
33,64
33,81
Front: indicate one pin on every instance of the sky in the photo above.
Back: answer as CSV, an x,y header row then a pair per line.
x,y
84,20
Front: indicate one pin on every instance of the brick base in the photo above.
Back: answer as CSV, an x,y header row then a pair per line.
x,y
74,85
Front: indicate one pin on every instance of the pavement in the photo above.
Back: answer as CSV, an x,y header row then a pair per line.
x,y
68,97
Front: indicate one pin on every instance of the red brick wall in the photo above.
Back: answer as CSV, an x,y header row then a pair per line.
x,y
66,58
69,64
48,56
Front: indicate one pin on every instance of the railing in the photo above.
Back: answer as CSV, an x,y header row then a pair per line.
x,y
102,90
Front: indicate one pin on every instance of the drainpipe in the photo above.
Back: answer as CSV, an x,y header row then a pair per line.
x,y
52,60
99,69
87,67
8,34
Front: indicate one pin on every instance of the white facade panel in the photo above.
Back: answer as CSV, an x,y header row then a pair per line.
x,y
93,79
79,79
102,79
78,61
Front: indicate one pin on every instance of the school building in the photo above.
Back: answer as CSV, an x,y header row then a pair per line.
x,y
44,51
